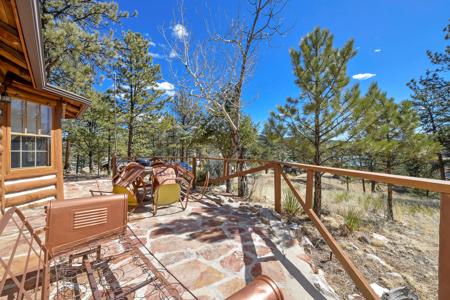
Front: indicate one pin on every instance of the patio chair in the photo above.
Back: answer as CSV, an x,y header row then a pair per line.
x,y
128,180
171,184
89,253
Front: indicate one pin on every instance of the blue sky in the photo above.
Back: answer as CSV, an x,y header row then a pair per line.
x,y
391,37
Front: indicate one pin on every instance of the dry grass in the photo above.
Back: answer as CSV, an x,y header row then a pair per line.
x,y
410,252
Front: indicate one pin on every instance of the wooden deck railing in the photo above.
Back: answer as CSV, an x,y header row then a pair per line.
x,y
439,186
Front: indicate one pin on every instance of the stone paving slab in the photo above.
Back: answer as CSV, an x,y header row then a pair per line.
x,y
216,248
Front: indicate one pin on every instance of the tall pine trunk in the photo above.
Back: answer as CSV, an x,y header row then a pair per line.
x,y
130,141
67,156
317,157
362,180
389,206
130,125
317,193
371,169
91,161
108,166
183,152
441,166
77,168
434,129
99,163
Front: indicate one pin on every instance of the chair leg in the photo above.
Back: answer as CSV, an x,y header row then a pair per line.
x,y
184,206
155,204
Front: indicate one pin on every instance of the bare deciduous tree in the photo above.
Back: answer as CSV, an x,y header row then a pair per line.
x,y
217,68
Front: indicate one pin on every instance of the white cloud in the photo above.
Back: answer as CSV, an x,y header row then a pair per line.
x,y
156,55
152,44
173,54
179,31
377,50
363,76
167,87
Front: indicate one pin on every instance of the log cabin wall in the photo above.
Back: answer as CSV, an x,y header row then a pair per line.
x,y
27,184
23,80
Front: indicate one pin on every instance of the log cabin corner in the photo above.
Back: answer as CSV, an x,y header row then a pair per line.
x,y
31,110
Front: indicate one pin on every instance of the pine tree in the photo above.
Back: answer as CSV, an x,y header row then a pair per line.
x,y
325,105
139,101
390,136
431,100
277,145
75,46
89,134
187,114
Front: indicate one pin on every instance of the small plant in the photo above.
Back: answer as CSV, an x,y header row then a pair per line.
x,y
352,219
290,204
342,197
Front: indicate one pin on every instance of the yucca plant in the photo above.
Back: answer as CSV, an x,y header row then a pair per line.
x,y
352,219
291,206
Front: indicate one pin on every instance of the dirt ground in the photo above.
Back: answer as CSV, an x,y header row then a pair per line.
x,y
390,254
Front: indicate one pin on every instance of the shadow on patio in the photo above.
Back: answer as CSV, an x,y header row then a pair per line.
x,y
215,249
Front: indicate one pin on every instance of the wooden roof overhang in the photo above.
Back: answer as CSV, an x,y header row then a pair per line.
x,y
22,69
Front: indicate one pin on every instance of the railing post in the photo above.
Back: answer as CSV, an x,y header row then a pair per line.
x,y
277,187
309,188
444,248
194,170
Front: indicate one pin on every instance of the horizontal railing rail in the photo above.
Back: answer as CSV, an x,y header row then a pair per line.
x,y
434,185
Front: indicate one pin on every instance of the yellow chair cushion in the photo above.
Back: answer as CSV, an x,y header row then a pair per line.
x,y
167,194
132,200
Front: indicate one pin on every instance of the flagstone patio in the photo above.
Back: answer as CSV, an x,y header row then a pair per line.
x,y
218,244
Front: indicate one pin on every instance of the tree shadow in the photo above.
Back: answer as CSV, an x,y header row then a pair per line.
x,y
212,223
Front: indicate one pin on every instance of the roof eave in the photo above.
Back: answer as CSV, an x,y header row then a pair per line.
x,y
30,23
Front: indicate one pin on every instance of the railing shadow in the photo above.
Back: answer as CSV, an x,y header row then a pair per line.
x,y
217,223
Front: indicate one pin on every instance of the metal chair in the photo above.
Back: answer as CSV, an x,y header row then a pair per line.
x,y
171,184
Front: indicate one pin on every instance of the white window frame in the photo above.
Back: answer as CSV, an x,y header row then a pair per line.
x,y
37,135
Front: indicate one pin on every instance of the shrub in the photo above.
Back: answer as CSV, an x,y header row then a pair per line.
x,y
352,219
290,204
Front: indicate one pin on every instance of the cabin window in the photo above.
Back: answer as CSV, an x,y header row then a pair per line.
x,y
30,134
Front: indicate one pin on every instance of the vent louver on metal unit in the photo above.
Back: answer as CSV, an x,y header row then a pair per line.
x,y
91,217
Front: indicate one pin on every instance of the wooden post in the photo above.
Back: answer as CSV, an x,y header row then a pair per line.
x,y
194,171
277,187
309,188
58,152
444,248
